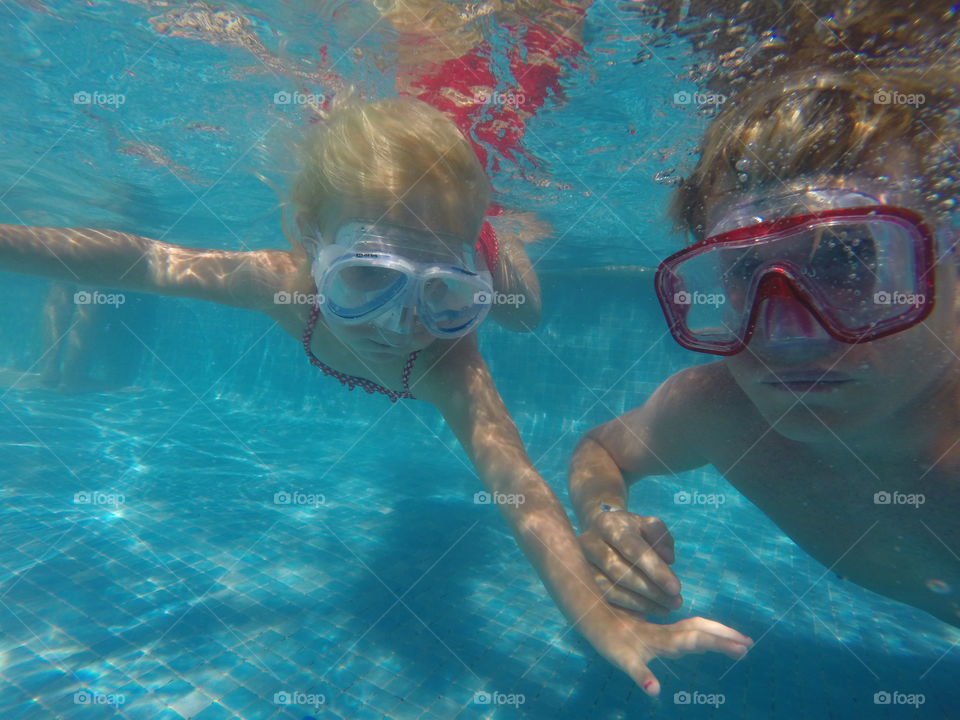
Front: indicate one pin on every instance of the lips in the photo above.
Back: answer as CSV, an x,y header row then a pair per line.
x,y
807,380
383,348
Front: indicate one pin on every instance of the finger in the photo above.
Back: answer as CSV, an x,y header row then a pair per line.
x,y
627,600
648,681
632,579
659,538
641,675
639,560
594,547
699,635
719,629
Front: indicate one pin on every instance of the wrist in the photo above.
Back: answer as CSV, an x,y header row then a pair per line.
x,y
592,514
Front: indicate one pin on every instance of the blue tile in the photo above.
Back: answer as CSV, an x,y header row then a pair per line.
x,y
213,712
240,698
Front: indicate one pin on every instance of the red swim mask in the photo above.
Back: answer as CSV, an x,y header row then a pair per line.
x,y
863,270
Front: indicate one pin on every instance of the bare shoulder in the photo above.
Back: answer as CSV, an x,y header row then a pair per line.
x,y
708,383
720,417
707,399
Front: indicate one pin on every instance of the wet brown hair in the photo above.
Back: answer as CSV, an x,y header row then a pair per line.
x,y
867,84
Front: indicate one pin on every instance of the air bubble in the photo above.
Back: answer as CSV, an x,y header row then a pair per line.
x,y
668,177
939,587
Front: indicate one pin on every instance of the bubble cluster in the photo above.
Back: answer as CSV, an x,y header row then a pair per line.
x,y
902,52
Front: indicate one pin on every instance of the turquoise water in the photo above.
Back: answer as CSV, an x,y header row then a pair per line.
x,y
195,594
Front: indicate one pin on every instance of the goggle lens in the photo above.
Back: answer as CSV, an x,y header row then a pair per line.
x,y
354,290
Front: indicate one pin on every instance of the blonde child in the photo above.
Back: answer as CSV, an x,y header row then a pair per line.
x,y
385,289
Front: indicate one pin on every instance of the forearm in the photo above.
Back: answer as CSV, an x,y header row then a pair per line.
x,y
595,481
122,261
91,257
463,390
548,541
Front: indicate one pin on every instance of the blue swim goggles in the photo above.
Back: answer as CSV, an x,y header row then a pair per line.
x,y
389,275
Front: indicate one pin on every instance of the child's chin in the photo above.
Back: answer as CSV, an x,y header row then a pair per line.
x,y
381,351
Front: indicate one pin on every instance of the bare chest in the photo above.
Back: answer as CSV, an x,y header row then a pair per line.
x,y
893,530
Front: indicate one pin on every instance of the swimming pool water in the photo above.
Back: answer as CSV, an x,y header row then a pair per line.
x,y
194,591
398,596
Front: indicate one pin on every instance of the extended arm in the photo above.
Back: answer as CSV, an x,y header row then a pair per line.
x,y
632,553
464,392
130,262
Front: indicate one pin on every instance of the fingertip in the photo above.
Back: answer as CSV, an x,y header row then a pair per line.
x,y
651,687
737,651
670,582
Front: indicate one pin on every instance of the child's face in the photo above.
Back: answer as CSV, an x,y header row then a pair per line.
x,y
815,389
811,387
400,330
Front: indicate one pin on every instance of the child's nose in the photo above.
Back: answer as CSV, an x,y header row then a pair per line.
x,y
784,323
787,320
396,325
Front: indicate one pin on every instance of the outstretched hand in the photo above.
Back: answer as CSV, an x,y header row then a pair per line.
x,y
631,643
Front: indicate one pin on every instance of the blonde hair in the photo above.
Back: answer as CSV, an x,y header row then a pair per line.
x,y
827,111
399,156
